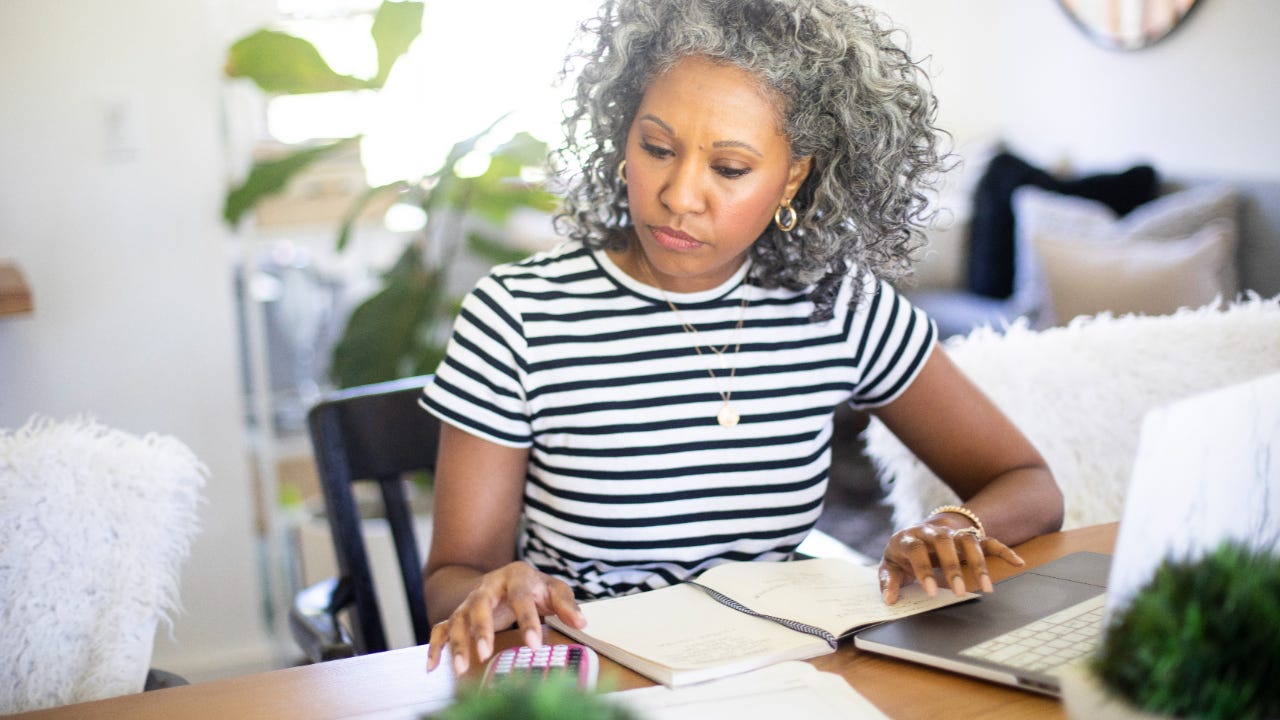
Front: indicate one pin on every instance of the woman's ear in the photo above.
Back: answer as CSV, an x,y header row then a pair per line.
x,y
796,175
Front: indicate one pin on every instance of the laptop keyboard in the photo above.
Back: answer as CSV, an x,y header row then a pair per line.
x,y
1048,643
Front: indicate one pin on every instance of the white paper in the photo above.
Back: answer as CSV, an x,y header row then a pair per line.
x,y
785,690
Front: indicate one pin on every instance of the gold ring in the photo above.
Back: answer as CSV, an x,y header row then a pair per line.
x,y
962,510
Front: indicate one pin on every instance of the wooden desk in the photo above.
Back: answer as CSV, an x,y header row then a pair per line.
x,y
393,684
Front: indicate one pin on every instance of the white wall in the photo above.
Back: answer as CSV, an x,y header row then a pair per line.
x,y
123,247
127,255
1202,103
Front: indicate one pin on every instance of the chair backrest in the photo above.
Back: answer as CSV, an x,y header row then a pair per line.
x,y
95,524
1080,394
377,434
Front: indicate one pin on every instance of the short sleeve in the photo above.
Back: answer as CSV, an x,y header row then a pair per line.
x,y
892,340
478,386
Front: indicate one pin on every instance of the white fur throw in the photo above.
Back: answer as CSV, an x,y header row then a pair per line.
x,y
94,526
1080,392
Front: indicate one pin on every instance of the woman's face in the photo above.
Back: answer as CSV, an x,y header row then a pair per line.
x,y
707,166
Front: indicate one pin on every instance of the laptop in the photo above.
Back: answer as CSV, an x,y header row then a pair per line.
x,y
1064,598
1197,480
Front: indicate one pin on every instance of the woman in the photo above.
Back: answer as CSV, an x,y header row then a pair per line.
x,y
656,395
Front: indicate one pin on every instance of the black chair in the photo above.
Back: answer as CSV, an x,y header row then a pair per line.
x,y
377,434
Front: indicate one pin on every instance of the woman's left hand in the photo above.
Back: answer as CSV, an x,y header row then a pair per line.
x,y
913,554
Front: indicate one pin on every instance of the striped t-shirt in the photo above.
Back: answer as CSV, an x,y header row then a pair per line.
x,y
632,484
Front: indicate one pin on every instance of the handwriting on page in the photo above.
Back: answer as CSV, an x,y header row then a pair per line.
x,y
711,648
681,626
831,594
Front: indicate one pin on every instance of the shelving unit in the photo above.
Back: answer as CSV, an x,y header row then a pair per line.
x,y
294,292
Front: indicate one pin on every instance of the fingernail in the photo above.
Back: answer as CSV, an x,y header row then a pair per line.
x,y
930,586
884,595
459,664
533,638
957,585
986,583
482,649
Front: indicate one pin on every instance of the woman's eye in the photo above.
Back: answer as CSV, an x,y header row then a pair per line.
x,y
731,172
655,151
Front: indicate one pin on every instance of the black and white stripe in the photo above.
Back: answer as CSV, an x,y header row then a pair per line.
x,y
632,483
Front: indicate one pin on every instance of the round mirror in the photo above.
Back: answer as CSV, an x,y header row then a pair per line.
x,y
1128,24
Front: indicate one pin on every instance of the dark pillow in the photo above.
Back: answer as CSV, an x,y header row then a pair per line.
x,y
991,244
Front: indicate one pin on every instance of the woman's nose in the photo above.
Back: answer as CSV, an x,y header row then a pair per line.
x,y
684,192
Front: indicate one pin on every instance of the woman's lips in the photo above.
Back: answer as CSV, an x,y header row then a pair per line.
x,y
674,239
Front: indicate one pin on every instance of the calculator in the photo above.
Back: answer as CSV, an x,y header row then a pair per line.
x,y
575,662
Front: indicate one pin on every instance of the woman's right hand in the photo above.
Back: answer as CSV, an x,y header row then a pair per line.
x,y
514,593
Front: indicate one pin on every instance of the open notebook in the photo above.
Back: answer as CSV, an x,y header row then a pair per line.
x,y
1207,469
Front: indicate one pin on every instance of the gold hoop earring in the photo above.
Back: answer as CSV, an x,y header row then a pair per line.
x,y
622,171
792,216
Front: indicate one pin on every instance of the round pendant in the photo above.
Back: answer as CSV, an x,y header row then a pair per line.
x,y
727,417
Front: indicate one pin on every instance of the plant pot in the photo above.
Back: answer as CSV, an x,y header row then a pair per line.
x,y
1084,697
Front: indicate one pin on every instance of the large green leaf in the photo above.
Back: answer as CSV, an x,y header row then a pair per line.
x,y
384,338
270,177
524,149
493,250
353,213
460,149
500,189
496,203
282,63
495,196
395,26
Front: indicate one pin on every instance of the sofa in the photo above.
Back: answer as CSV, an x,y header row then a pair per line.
x,y
1017,241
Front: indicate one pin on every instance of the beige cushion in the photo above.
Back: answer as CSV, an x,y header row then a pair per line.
x,y
1145,277
1174,252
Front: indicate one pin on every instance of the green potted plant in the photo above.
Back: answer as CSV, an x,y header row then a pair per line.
x,y
1200,640
551,699
400,329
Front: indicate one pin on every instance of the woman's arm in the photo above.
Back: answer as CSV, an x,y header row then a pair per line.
x,y
472,581
955,430
477,495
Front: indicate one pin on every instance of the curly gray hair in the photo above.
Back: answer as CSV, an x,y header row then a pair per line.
x,y
851,98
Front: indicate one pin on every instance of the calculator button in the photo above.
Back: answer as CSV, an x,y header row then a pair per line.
x,y
571,661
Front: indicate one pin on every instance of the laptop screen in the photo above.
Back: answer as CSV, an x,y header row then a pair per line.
x,y
1207,470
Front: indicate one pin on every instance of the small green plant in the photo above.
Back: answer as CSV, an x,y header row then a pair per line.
x,y
1202,639
551,699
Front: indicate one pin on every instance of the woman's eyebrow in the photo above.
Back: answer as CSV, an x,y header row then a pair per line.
x,y
737,144
718,144
658,121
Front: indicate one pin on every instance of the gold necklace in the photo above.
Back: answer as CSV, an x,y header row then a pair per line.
x,y
728,416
